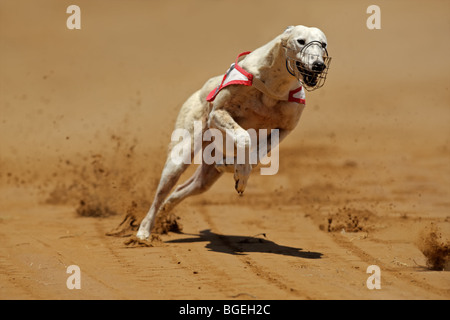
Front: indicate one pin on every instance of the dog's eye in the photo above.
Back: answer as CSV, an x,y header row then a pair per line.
x,y
324,45
301,42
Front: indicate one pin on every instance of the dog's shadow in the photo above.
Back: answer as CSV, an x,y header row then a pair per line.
x,y
240,245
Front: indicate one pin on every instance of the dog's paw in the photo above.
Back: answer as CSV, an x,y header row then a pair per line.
x,y
143,235
239,187
241,175
143,232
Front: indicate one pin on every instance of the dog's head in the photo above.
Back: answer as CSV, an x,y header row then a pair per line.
x,y
306,55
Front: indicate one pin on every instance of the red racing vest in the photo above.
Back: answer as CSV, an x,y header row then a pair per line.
x,y
235,75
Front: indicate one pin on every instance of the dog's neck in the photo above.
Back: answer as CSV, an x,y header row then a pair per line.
x,y
268,63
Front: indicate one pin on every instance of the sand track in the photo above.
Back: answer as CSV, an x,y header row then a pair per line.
x,y
221,262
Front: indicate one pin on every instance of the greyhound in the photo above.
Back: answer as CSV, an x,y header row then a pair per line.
x,y
263,89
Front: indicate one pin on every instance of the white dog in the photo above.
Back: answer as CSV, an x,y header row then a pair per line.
x,y
263,89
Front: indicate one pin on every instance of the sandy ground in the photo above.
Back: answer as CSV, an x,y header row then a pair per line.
x,y
86,115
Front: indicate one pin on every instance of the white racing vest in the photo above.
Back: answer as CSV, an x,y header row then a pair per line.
x,y
238,76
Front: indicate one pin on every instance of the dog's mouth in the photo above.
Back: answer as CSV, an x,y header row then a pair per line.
x,y
310,78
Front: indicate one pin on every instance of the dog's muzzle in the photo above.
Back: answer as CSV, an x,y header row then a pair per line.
x,y
312,69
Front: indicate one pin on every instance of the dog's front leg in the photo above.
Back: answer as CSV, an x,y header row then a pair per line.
x,y
241,175
223,121
242,166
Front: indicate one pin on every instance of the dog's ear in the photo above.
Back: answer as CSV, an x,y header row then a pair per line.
x,y
286,34
288,29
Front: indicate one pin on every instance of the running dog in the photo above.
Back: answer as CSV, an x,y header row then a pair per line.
x,y
263,89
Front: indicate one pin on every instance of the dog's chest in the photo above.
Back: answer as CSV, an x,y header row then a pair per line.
x,y
262,112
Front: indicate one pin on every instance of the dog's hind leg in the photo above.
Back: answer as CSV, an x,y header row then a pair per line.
x,y
169,177
204,177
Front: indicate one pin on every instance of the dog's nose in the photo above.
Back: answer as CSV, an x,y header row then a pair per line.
x,y
318,66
